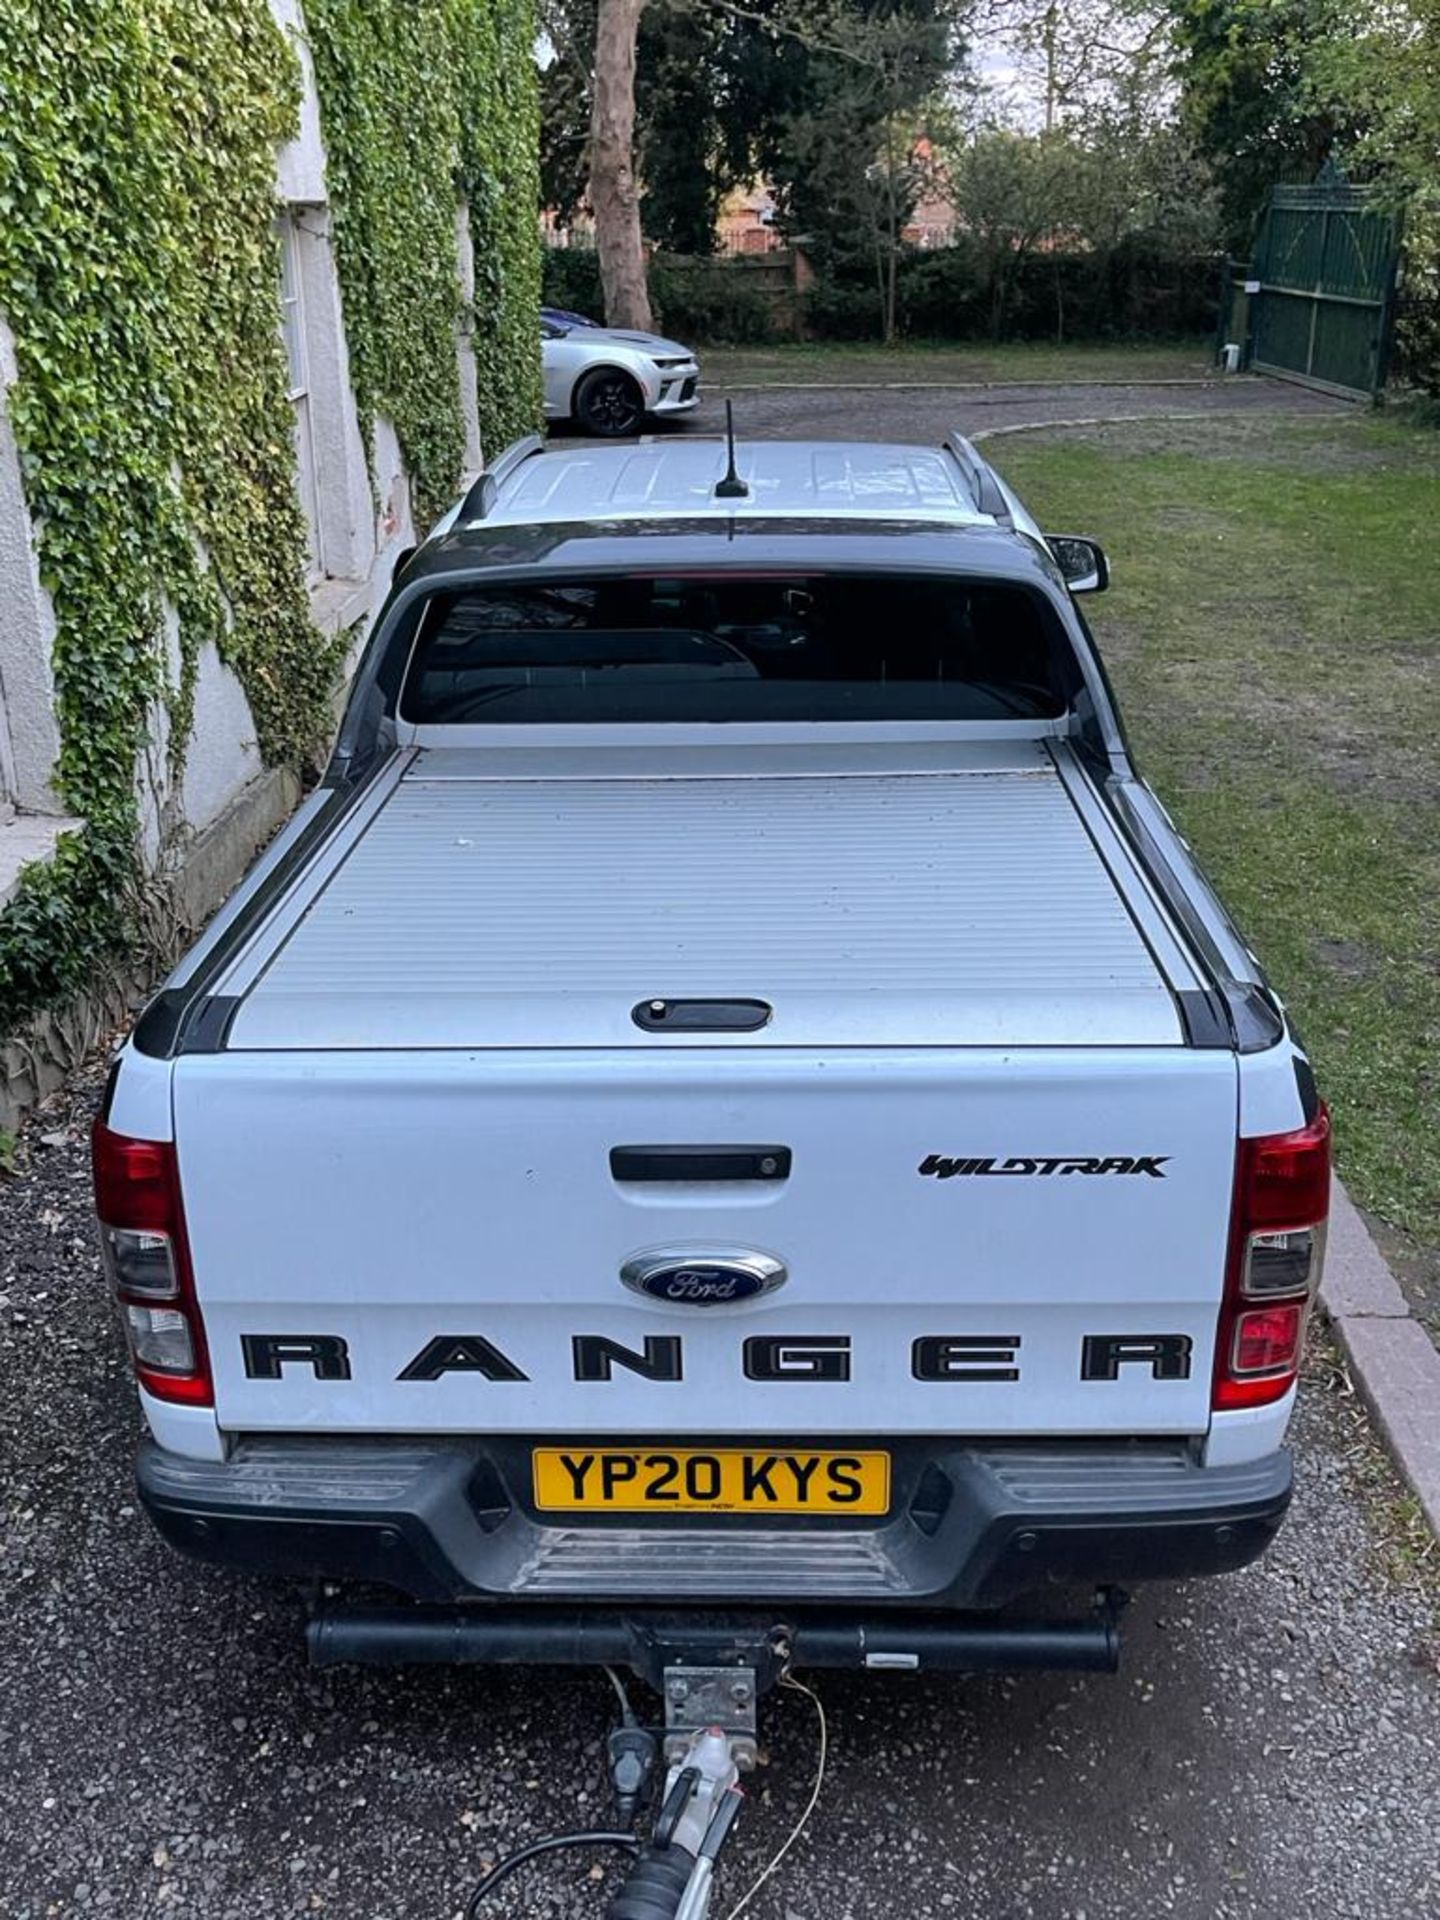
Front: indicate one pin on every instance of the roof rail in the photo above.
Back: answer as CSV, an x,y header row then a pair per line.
x,y
980,477
480,501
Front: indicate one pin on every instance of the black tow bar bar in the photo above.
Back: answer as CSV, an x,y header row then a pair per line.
x,y
650,1642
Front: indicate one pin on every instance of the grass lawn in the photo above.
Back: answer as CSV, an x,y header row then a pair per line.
x,y
1274,634
921,361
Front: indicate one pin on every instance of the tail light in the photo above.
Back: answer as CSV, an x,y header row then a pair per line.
x,y
147,1261
1277,1245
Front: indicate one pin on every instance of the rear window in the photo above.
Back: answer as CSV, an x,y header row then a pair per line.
x,y
792,647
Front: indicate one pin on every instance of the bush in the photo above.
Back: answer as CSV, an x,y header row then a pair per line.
x,y
1142,292
835,311
942,295
571,279
1138,292
1417,318
1134,293
709,302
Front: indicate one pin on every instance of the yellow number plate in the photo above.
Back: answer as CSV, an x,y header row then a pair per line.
x,y
712,1480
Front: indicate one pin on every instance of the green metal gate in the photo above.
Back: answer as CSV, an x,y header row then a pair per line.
x,y
1322,287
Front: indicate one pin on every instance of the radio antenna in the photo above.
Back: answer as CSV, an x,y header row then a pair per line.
x,y
732,487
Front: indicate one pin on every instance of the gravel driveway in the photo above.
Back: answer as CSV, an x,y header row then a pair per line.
x,y
1271,1748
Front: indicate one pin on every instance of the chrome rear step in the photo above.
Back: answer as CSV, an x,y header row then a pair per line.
x,y
582,1561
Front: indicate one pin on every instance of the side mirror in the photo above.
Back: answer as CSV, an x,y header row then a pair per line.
x,y
1081,560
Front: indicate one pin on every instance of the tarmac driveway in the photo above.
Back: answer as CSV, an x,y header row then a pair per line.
x,y
928,413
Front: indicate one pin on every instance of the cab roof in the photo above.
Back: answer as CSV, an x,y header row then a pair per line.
x,y
678,543
790,479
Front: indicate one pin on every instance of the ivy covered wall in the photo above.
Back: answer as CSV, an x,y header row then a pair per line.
x,y
137,143
500,176
421,100
139,273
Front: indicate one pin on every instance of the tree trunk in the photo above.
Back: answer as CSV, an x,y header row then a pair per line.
x,y
614,195
892,236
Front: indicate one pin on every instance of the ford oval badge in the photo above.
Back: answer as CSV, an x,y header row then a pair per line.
x,y
702,1277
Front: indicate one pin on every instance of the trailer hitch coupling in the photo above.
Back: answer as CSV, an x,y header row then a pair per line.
x,y
711,1674
674,1872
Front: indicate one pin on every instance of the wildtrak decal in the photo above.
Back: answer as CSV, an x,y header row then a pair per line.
x,y
1023,1165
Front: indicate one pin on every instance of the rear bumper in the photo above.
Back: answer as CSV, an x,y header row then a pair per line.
x,y
973,1527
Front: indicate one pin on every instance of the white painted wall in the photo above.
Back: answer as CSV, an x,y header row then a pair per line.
x,y
29,737
346,540
223,758
300,166
363,522
465,343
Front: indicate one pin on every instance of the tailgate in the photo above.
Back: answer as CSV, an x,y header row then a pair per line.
x,y
977,1241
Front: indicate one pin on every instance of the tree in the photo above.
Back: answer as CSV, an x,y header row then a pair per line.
x,y
1118,192
823,96
843,150
1389,71
1139,181
1012,191
701,93
614,192
1387,67
703,83
1274,88
1251,94
568,31
1073,58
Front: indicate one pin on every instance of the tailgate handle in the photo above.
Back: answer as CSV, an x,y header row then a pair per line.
x,y
700,1163
702,1016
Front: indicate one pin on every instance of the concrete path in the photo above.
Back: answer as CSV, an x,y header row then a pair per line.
x,y
1391,1356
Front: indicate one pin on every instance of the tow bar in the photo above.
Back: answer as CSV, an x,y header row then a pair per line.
x,y
711,1677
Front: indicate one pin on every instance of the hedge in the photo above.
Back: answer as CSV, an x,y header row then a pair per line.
x,y
949,293
945,293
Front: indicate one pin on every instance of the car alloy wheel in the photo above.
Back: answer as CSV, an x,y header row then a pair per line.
x,y
609,403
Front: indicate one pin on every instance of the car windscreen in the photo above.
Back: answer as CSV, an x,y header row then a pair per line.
x,y
738,647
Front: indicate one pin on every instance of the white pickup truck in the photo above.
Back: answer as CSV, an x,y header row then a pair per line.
x,y
732,1101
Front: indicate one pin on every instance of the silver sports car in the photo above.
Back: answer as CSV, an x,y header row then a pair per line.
x,y
607,380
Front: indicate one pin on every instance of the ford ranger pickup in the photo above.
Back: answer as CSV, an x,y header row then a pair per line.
x,y
732,1097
